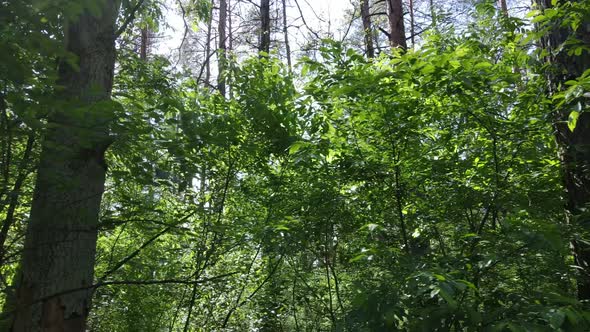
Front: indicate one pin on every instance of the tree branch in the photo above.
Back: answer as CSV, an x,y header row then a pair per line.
x,y
123,282
143,246
129,19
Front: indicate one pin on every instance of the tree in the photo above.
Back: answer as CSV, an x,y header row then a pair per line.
x,y
397,32
54,285
503,6
264,45
412,25
222,49
143,48
572,127
28,77
286,35
413,192
367,28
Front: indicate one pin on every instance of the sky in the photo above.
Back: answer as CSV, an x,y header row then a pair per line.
x,y
329,10
320,15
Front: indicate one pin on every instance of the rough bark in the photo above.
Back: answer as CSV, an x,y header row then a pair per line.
x,y
397,32
222,49
573,146
61,235
367,28
265,26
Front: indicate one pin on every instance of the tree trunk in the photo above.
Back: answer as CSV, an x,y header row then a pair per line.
x,y
367,28
222,46
286,35
434,23
397,32
503,7
60,243
265,26
144,44
573,146
208,47
230,31
412,29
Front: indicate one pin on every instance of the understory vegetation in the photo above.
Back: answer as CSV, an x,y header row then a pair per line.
x,y
421,189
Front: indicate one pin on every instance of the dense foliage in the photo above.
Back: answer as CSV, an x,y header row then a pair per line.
x,y
419,190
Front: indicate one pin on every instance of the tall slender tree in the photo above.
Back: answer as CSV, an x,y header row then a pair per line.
x,y
433,16
397,32
53,287
412,25
222,49
367,28
286,35
208,46
264,45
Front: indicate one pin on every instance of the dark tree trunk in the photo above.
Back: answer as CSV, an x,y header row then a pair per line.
x,y
144,44
573,146
61,236
367,28
397,32
222,45
503,7
265,26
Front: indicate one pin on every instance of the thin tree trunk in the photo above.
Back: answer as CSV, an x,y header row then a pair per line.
x,y
573,146
208,47
61,236
367,28
397,32
412,28
286,33
6,144
144,44
434,23
230,36
222,46
265,26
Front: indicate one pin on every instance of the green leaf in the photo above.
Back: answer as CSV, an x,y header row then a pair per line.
x,y
556,318
296,147
573,120
428,69
439,277
447,293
